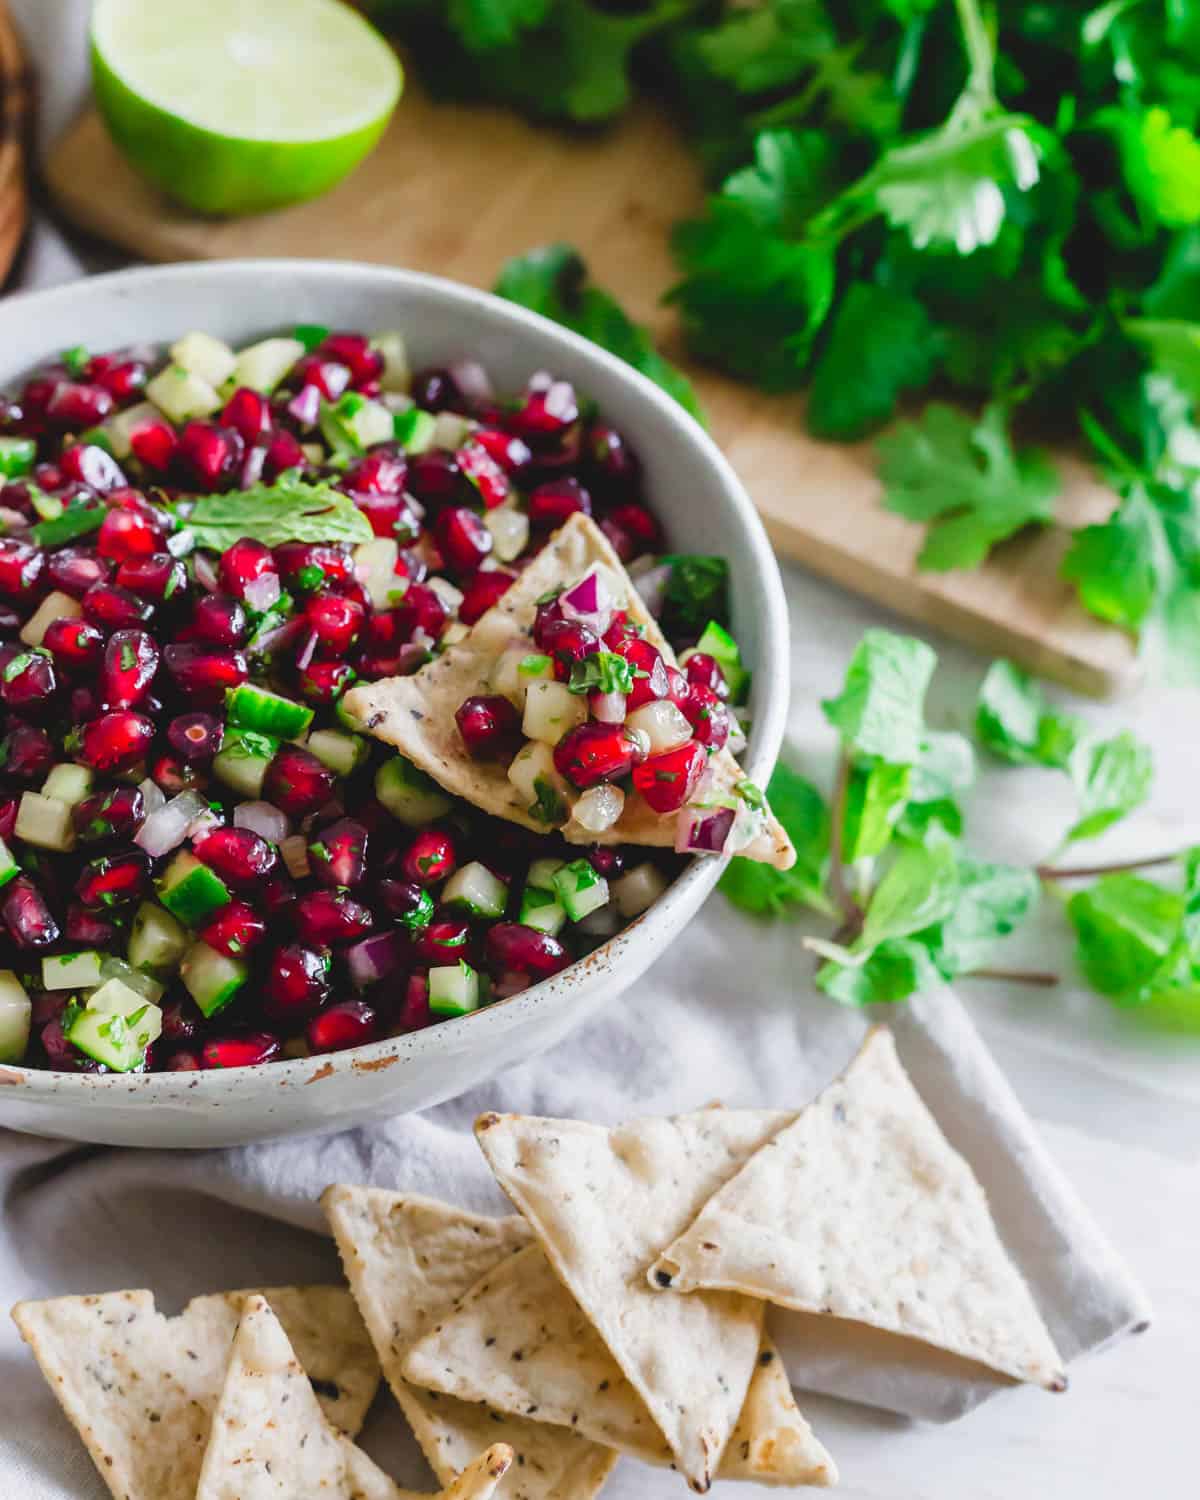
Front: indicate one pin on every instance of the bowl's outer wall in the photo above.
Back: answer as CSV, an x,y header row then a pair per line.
x,y
704,509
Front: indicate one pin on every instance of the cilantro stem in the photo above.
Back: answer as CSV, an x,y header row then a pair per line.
x,y
1087,872
1017,976
844,901
981,62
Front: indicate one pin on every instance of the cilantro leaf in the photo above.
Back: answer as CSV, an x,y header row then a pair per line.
x,y
880,710
1174,346
553,281
1160,162
1015,723
1111,777
881,344
965,479
697,592
767,892
789,181
1115,564
290,510
483,24
766,46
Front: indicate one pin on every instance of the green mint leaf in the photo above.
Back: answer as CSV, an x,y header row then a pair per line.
x,y
553,281
881,345
965,479
697,592
602,672
944,768
918,890
1111,778
992,901
895,970
1015,723
290,510
880,710
767,892
876,798
1125,926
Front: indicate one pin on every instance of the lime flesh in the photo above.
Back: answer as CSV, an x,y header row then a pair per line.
x,y
236,106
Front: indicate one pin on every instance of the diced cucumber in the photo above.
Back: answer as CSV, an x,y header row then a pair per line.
x,y
121,426
353,423
454,990
475,889
211,979
542,790
72,971
341,753
190,890
413,430
451,430
157,941
263,365
119,1041
269,713
310,335
180,395
551,709
115,998
716,642
212,360
141,984
510,531
375,569
8,864
408,794
15,1013
580,889
76,521
541,910
638,889
542,872
68,783
48,507
396,375
45,822
242,761
53,607
17,456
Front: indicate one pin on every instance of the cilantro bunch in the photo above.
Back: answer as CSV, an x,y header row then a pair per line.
x,y
885,861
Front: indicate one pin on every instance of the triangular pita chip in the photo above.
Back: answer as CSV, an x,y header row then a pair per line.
x,y
602,1202
862,1209
271,1441
416,714
408,1259
140,1388
518,1340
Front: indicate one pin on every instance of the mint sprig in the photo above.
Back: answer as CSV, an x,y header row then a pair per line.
x,y
290,510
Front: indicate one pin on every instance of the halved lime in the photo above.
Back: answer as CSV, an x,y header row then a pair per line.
x,y
236,106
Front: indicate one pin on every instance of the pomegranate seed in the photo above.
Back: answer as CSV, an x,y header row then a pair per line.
x,y
296,984
509,945
122,379
667,781
414,1009
242,564
112,814
354,351
705,671
36,395
707,715
74,405
324,682
436,390
88,928
113,879
434,477
482,472
482,591
205,673
237,855
329,376
182,1060
244,1051
445,940
490,726
158,577
503,448
219,618
390,516
430,858
350,1023
88,463
305,566
337,855
249,414
605,860
130,662
174,775
462,538
547,415
377,474
8,816
637,522
283,452
297,783
567,642
650,680
27,916
620,541
408,901
612,462
26,754
591,753
113,608
75,570
154,443
181,1019
235,930
335,621
21,566
196,737
210,454
421,610
323,918
557,501
28,681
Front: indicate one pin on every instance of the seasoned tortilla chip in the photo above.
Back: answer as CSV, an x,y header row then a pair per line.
x,y
602,1202
408,1259
862,1209
416,714
270,1440
140,1388
518,1340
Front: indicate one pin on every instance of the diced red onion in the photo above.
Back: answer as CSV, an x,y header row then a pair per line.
x,y
307,651
589,602
268,641
206,572
204,823
414,1012
252,466
12,520
305,406
153,796
167,827
263,818
471,379
262,592
652,586
703,830
373,959
609,708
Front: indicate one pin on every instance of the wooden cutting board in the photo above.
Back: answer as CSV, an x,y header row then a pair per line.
x,y
456,190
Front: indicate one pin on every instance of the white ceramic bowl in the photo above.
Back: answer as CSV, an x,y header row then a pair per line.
x,y
704,508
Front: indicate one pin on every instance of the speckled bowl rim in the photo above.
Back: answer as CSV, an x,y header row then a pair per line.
x,y
688,890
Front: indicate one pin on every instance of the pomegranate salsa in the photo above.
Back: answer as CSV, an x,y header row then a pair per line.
x,y
203,863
